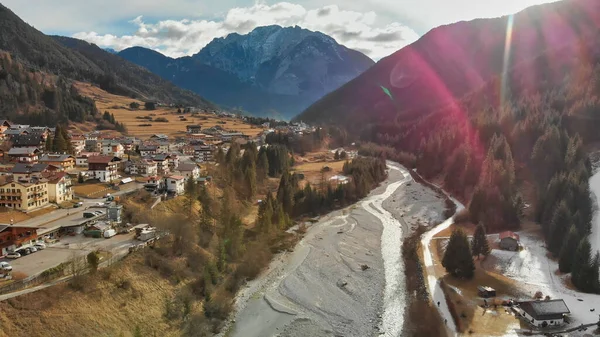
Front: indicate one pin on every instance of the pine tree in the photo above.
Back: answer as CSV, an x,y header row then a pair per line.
x,y
49,144
205,201
565,261
250,180
458,259
581,265
59,143
558,228
262,166
336,156
595,274
265,214
480,245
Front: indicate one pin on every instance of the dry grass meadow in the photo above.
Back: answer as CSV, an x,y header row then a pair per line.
x,y
119,106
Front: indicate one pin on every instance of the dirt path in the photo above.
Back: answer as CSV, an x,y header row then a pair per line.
x,y
346,277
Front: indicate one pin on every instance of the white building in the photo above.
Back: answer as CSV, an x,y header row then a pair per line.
x,y
544,314
189,170
175,184
112,148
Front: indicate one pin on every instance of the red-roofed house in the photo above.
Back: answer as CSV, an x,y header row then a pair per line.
x,y
103,168
509,241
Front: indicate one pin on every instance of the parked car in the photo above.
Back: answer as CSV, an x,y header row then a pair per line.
x,y
24,251
99,204
79,204
5,266
40,246
13,255
32,249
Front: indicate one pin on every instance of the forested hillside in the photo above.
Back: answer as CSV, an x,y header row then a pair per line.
x,y
37,70
513,148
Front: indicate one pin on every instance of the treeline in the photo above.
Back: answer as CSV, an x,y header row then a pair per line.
x,y
262,120
331,136
61,142
108,122
37,98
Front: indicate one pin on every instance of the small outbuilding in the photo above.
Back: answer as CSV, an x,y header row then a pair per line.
x,y
509,241
544,313
486,292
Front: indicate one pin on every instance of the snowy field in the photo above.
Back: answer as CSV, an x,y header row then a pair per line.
x,y
536,272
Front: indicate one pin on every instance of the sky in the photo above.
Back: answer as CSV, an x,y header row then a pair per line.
x,y
182,27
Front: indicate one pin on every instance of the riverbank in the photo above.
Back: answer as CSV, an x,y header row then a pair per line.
x,y
346,276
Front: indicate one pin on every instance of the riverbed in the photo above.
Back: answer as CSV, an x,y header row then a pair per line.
x,y
346,276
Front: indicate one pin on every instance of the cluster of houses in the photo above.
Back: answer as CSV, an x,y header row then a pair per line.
x,y
31,177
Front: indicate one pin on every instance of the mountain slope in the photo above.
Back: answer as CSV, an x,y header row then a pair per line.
x,y
272,71
75,59
451,61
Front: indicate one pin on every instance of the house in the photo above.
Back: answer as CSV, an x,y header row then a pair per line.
x,y
162,161
24,194
339,179
64,161
4,125
203,153
82,158
112,148
142,167
228,136
187,150
59,187
163,147
15,132
154,183
32,139
486,292
115,212
22,170
13,237
28,155
147,150
509,241
189,170
78,142
128,144
193,129
159,136
173,162
103,168
544,313
175,184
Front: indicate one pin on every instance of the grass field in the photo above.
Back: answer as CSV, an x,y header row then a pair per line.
x,y
6,214
312,170
119,106
90,189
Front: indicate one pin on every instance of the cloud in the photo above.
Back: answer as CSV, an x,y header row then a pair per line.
x,y
357,30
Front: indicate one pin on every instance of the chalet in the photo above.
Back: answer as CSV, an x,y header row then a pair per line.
x,y
64,161
159,136
163,147
128,144
175,184
173,162
543,314
148,150
162,161
59,187
193,129
103,168
229,136
141,167
78,142
15,132
13,237
203,153
93,145
154,183
486,292
24,155
82,158
112,148
22,170
4,125
339,179
189,170
509,241
24,194
34,139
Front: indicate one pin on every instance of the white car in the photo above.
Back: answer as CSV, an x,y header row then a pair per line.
x,y
5,266
40,246
13,255
33,249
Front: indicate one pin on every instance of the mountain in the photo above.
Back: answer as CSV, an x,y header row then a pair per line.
x,y
450,61
110,50
33,54
271,71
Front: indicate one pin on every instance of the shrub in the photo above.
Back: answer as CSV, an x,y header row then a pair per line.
x,y
144,125
134,105
462,217
161,120
218,306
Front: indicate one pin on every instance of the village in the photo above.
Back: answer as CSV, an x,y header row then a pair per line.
x,y
55,205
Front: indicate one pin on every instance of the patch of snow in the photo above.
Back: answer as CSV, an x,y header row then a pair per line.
x,y
532,267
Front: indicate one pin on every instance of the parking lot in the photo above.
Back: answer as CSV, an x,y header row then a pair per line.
x,y
68,248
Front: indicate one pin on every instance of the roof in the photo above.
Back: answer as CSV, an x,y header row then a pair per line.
x,y
550,309
56,157
32,139
159,135
177,177
161,157
484,288
15,131
23,150
29,168
54,177
148,147
5,122
102,159
187,167
88,154
509,234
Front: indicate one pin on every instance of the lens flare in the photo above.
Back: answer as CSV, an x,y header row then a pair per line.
x,y
506,60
